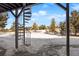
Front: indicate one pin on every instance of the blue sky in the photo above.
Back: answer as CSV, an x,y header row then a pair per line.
x,y
44,13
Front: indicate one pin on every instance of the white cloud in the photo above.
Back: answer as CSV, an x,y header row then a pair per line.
x,y
40,13
57,16
35,14
33,19
49,16
75,7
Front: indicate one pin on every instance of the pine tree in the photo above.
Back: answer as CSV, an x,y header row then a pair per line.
x,y
3,20
42,27
34,27
74,21
53,26
62,27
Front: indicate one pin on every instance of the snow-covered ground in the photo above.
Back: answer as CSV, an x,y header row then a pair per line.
x,y
38,39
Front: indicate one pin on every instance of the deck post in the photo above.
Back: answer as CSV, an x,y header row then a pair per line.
x,y
67,30
16,29
24,27
16,15
67,27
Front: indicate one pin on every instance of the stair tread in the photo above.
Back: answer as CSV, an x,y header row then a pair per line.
x,y
27,13
27,16
27,8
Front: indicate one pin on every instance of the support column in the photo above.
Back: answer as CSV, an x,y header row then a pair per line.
x,y
16,29
24,27
67,30
16,15
24,5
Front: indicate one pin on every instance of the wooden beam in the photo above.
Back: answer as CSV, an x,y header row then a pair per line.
x,y
12,4
8,6
60,5
1,5
20,11
13,13
16,29
24,27
17,4
1,8
67,31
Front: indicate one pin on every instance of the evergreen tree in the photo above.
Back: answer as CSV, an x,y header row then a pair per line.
x,y
42,27
74,21
3,20
62,27
34,27
53,26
